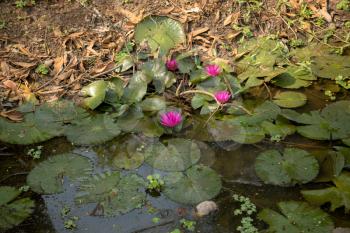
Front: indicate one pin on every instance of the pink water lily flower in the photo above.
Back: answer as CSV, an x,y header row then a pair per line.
x,y
212,70
222,96
171,65
170,119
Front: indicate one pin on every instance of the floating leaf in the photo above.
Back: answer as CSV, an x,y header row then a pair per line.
x,y
31,130
290,99
130,119
97,92
296,166
331,66
114,91
294,77
329,124
278,130
338,196
136,89
331,164
198,183
160,32
126,152
94,130
12,212
150,127
265,111
153,104
297,217
47,176
177,155
114,194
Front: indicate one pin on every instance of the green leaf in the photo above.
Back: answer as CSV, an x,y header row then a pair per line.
x,y
124,153
130,119
150,127
113,193
331,66
12,213
136,89
198,183
177,155
290,99
96,92
157,72
331,164
47,176
94,130
295,77
114,92
160,32
153,104
280,129
338,195
295,166
297,217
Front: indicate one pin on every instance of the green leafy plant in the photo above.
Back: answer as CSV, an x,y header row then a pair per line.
x,y
35,153
297,217
247,208
42,69
188,225
330,95
155,220
13,211
70,223
343,5
2,24
24,3
155,182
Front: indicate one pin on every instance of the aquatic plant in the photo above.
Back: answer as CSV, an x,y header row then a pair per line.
x,y
12,211
246,209
155,183
212,70
222,96
170,119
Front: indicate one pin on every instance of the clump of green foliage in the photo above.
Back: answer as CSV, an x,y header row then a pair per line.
x,y
2,24
42,69
155,183
344,5
35,153
23,3
188,225
247,208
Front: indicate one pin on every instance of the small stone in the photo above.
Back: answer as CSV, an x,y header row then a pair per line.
x,y
206,207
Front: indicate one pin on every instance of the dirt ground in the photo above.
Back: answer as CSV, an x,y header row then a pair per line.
x,y
78,42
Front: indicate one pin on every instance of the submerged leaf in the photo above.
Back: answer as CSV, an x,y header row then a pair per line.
x,y
160,32
338,195
47,176
297,217
94,130
296,166
198,183
114,194
12,212
178,155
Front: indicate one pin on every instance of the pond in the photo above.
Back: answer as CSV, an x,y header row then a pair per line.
x,y
180,145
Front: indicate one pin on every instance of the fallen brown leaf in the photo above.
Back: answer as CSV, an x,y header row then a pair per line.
x,y
10,85
13,115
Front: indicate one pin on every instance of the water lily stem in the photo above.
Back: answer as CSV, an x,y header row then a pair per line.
x,y
229,86
200,92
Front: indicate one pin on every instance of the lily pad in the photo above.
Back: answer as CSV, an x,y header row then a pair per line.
x,y
338,195
136,89
331,164
47,176
160,32
290,99
295,166
125,153
13,212
93,130
296,217
96,92
331,66
113,193
153,104
176,155
294,77
129,120
329,124
278,130
198,183
31,130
